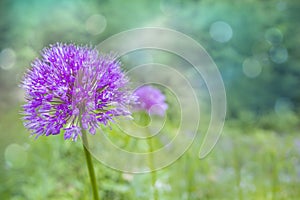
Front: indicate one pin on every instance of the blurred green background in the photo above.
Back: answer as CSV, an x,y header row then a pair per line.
x,y
255,45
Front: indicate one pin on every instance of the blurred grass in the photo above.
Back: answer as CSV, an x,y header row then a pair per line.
x,y
260,165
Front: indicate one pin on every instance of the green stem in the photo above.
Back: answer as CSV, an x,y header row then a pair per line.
x,y
151,166
90,165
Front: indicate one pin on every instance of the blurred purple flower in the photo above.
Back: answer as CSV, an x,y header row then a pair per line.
x,y
73,87
151,99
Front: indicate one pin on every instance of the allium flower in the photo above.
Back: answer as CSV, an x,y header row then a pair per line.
x,y
151,99
73,87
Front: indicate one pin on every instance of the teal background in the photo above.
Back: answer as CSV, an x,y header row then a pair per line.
x,y
255,45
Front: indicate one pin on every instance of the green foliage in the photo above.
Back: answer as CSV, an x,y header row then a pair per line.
x,y
260,165
257,156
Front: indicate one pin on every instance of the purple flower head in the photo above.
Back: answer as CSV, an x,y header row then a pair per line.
x,y
151,100
73,87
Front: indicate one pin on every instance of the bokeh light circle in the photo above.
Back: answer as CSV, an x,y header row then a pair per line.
x,y
278,54
220,31
251,67
7,58
273,35
95,24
